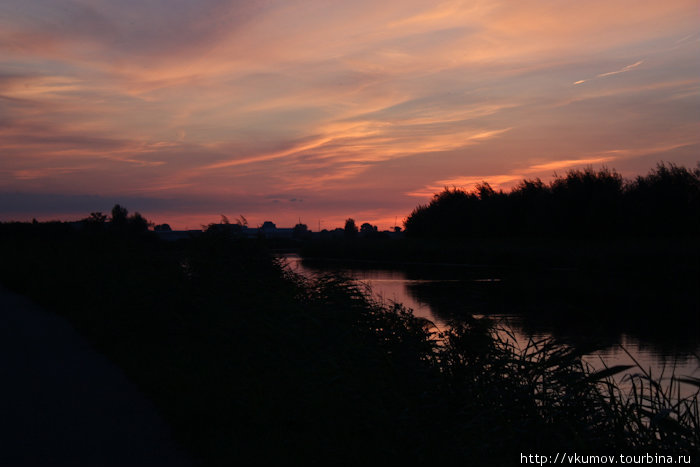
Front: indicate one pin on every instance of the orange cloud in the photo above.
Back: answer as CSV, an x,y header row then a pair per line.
x,y
565,164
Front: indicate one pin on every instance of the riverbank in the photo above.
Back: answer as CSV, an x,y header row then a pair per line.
x,y
679,252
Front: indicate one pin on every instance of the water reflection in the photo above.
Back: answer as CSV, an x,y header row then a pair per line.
x,y
571,307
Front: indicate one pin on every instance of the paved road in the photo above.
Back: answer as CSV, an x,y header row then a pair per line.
x,y
63,404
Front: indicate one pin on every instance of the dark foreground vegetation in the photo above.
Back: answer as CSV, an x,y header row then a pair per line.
x,y
251,364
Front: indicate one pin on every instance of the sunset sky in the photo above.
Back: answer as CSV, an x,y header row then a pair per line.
x,y
321,110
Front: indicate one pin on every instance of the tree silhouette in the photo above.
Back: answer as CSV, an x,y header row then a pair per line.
x,y
138,223
666,200
350,228
95,222
368,228
119,215
582,203
125,224
97,218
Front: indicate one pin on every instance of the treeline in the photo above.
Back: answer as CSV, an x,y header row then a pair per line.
x,y
586,203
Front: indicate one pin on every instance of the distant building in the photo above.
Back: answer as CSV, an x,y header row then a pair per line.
x,y
270,230
268,227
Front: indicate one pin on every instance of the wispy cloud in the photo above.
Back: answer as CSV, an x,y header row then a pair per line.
x,y
568,163
611,73
622,70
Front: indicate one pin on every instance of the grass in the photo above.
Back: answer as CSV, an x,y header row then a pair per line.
x,y
655,409
250,363
554,401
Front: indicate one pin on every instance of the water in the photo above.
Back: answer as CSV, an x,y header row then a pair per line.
x,y
529,307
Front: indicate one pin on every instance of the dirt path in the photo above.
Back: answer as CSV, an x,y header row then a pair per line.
x,y
63,404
